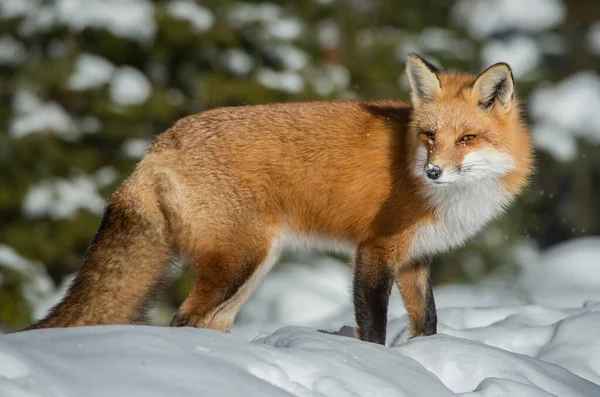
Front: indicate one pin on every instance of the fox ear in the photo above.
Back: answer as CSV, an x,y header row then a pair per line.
x,y
424,81
495,88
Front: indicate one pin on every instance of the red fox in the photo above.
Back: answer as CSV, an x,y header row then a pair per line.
x,y
391,183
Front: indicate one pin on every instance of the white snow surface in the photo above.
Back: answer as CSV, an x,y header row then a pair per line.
x,y
536,336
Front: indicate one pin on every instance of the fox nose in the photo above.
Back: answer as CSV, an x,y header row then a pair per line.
x,y
433,171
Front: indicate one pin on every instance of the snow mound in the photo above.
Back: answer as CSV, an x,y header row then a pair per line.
x,y
475,369
566,275
158,361
536,337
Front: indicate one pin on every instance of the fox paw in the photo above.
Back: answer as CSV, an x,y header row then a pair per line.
x,y
184,320
221,323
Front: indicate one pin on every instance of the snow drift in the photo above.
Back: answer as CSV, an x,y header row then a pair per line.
x,y
537,336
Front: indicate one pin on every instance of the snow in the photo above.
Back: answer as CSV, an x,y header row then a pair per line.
x,y
522,53
34,116
270,17
63,198
240,13
594,38
564,111
129,87
17,8
38,289
285,29
494,339
91,71
556,271
287,81
11,260
132,19
237,61
105,176
440,40
12,51
322,295
483,18
329,33
135,147
201,18
39,20
290,56
328,78
433,40
488,371
48,117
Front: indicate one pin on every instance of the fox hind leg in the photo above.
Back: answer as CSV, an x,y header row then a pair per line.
x,y
224,281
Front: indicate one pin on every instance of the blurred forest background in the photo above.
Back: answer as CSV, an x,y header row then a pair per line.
x,y
86,84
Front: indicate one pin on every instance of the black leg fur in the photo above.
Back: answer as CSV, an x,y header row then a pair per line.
x,y
372,285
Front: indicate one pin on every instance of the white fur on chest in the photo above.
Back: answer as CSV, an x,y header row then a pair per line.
x,y
462,211
289,240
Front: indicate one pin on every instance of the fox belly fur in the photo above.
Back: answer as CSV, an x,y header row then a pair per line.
x,y
390,182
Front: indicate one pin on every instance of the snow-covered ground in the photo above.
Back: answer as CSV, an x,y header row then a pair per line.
x,y
534,336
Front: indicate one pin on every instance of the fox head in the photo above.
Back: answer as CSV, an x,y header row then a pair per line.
x,y
464,128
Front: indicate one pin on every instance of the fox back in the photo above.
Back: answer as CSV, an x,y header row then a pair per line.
x,y
389,182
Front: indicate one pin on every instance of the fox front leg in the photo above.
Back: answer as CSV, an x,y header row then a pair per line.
x,y
412,279
373,279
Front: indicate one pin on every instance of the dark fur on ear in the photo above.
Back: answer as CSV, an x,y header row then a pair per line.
x,y
424,81
430,66
495,88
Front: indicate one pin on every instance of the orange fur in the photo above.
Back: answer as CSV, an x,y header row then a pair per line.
x,y
412,280
224,186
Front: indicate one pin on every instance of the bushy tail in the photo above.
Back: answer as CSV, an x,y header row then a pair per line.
x,y
125,261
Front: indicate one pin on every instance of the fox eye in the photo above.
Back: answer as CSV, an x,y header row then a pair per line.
x,y
467,138
430,135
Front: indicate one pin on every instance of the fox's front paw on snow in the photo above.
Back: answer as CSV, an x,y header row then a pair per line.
x,y
219,321
185,320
